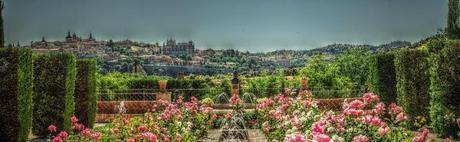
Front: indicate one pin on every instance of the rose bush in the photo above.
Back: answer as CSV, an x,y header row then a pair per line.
x,y
182,121
299,119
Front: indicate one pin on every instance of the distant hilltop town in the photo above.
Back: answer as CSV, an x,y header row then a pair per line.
x,y
73,42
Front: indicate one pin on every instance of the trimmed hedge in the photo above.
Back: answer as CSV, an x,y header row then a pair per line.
x,y
144,83
85,92
383,77
413,83
445,91
184,87
54,85
15,94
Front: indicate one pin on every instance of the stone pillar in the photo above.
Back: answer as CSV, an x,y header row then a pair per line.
x,y
235,84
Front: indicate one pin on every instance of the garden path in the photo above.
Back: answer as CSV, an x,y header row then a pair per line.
x,y
255,135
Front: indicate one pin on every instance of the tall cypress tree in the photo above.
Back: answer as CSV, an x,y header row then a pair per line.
x,y
453,29
2,35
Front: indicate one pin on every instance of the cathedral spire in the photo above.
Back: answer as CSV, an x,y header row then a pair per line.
x,y
68,35
91,36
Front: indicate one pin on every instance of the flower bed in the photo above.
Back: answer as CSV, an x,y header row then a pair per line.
x,y
300,119
183,121
131,107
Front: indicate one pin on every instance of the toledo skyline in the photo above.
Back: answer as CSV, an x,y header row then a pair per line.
x,y
254,25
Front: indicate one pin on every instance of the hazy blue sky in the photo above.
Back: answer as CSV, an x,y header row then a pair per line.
x,y
255,25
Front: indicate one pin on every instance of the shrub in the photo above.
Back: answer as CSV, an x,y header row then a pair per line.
x,y
413,83
445,91
383,77
143,83
54,85
16,94
188,88
85,92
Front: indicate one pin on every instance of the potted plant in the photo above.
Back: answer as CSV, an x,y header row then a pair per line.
x,y
163,94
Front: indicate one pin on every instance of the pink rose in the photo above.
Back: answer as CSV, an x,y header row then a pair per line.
x,y
57,139
356,104
375,121
383,130
321,138
74,119
360,138
421,137
96,136
318,127
78,127
149,137
63,134
400,117
295,138
395,109
85,133
52,128
370,97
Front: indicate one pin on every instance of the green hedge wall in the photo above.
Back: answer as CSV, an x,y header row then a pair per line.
x,y
189,87
184,87
54,85
143,83
16,76
413,83
445,91
85,92
383,77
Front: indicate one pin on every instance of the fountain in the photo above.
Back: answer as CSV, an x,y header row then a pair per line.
x,y
234,125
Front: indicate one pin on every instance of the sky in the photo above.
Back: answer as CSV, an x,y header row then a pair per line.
x,y
253,25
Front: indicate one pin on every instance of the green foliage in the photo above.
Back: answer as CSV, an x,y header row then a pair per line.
x,y
453,29
116,80
226,86
85,92
413,82
207,102
445,90
187,88
16,94
144,83
54,86
265,86
355,65
383,77
324,76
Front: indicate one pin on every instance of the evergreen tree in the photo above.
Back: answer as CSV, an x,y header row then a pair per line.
x,y
453,29
2,36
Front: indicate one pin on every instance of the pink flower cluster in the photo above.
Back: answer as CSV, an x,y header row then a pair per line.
x,y
360,138
235,99
422,136
78,128
361,120
170,111
296,137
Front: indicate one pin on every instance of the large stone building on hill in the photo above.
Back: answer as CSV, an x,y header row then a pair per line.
x,y
177,49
